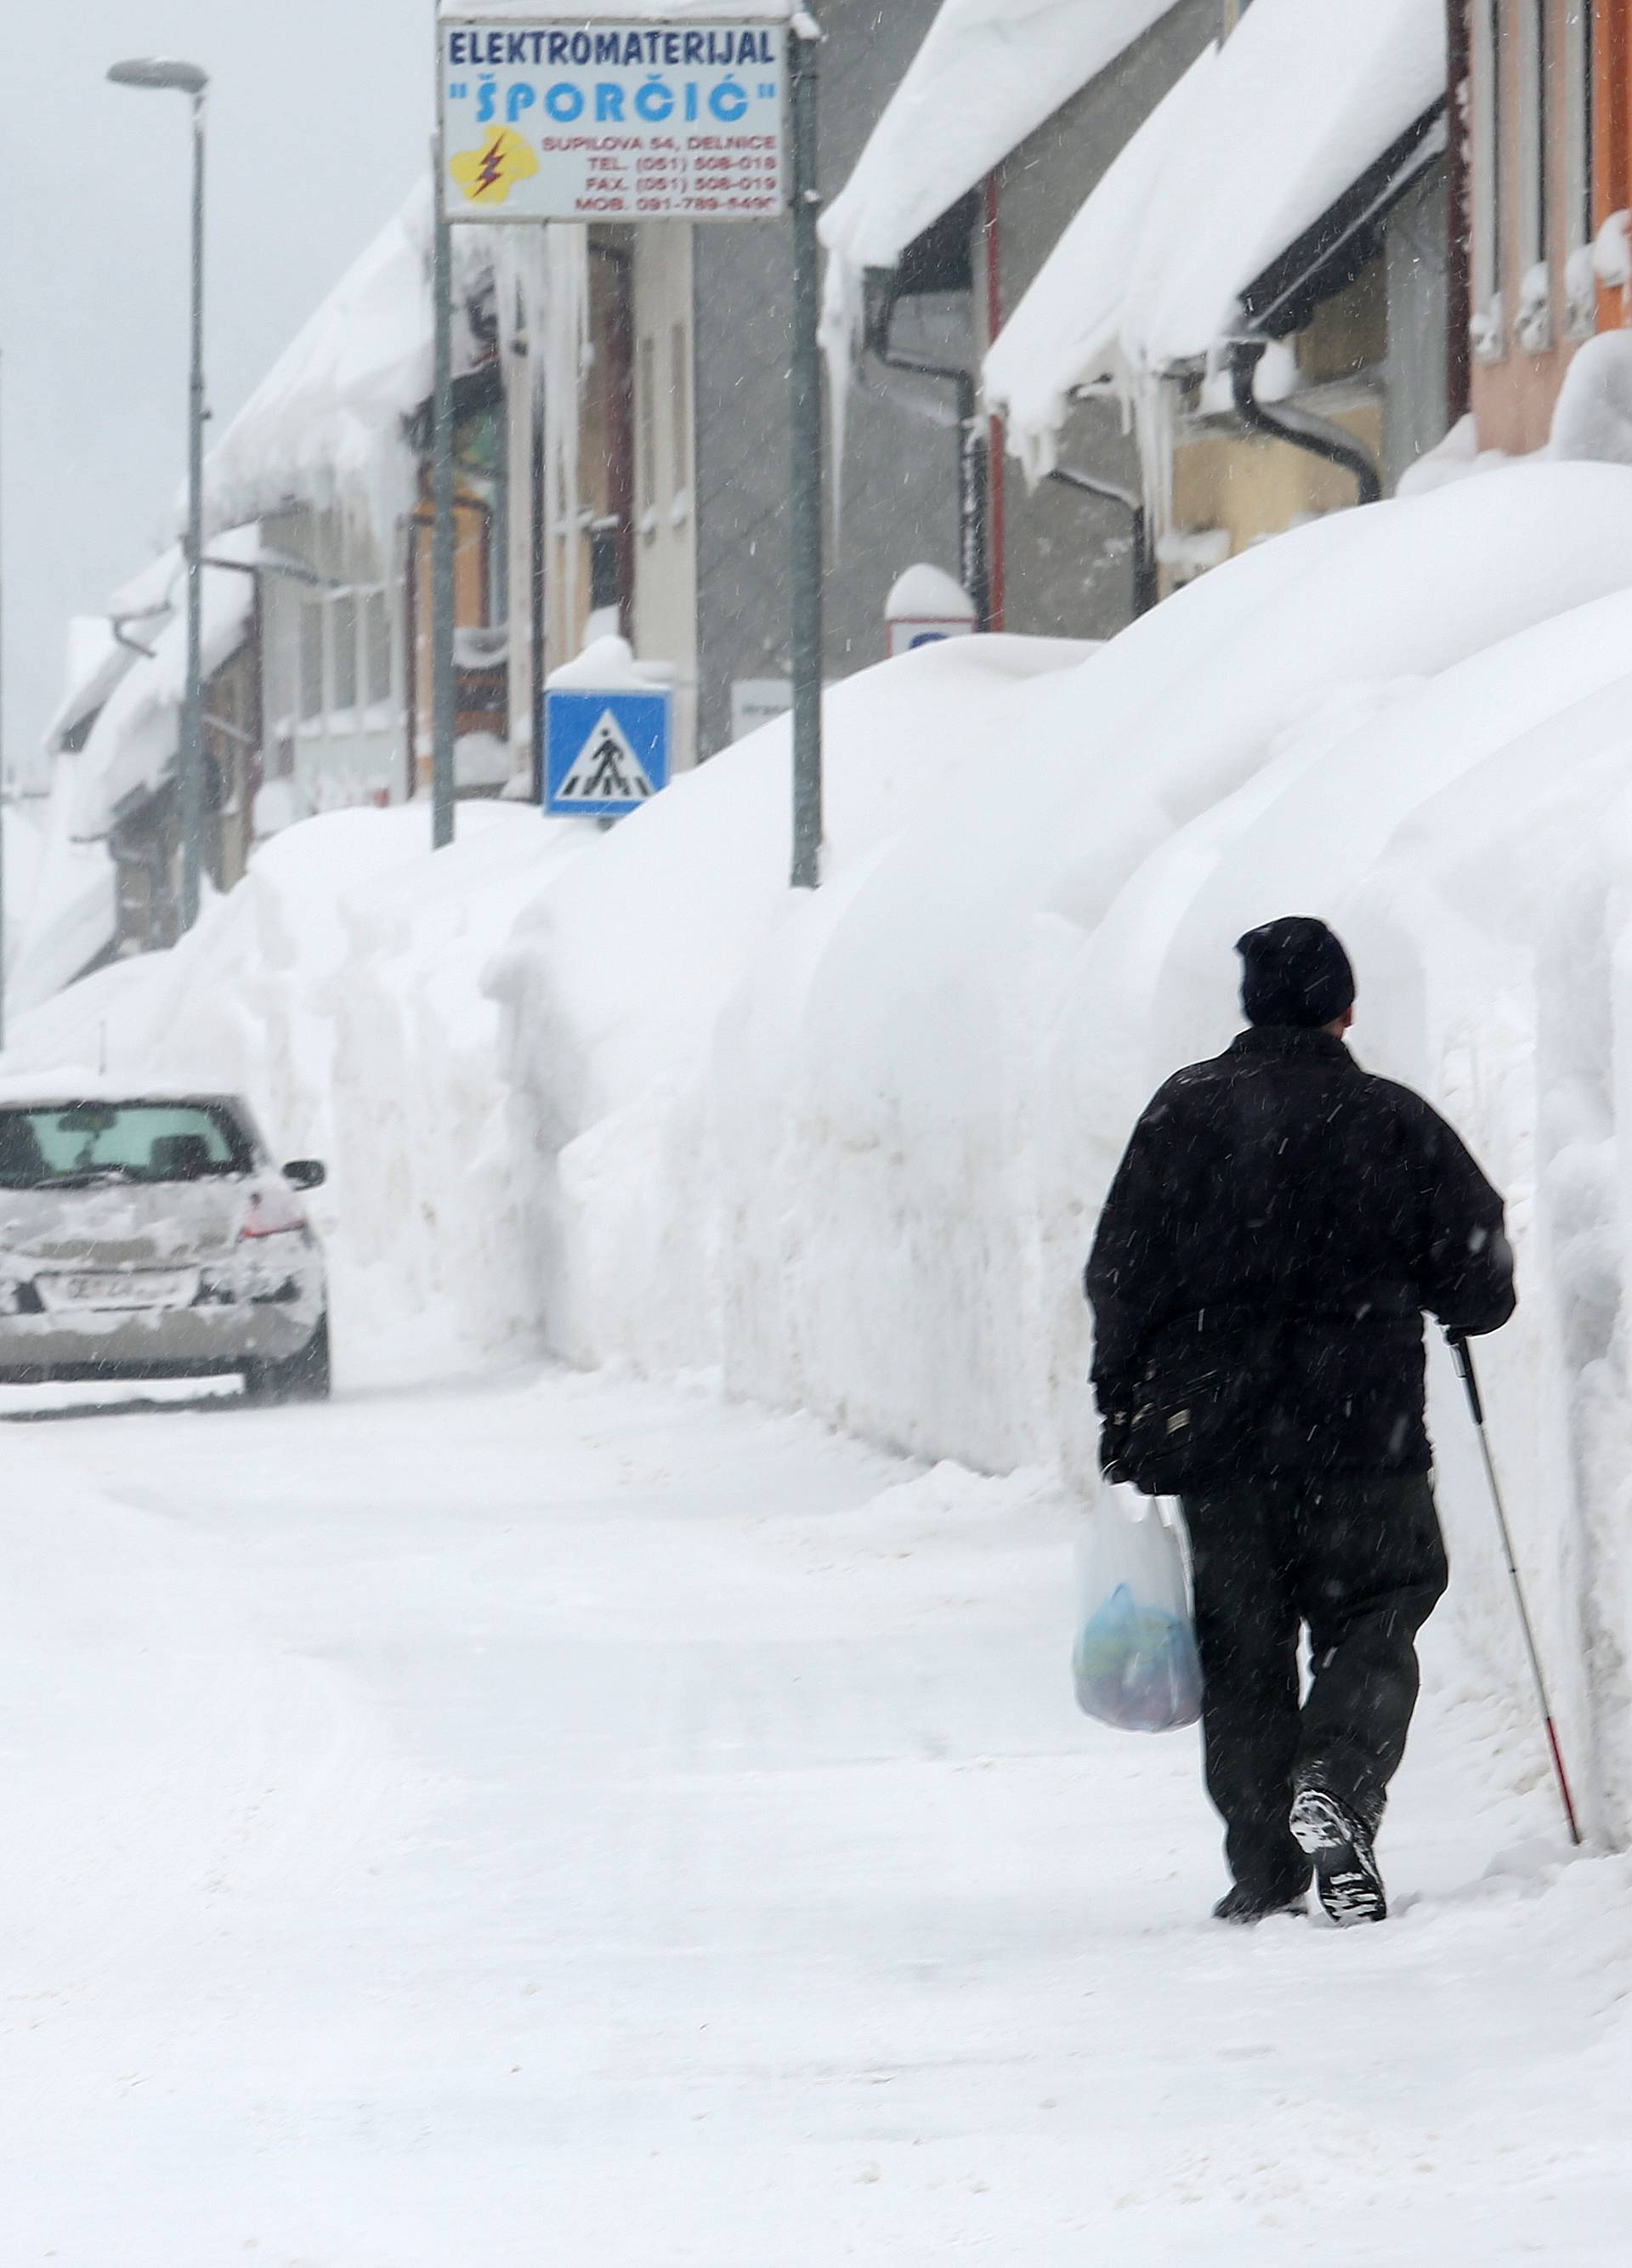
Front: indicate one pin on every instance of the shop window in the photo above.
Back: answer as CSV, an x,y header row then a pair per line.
x,y
1532,324
1489,321
605,566
310,660
376,648
481,468
646,430
679,408
1580,282
342,631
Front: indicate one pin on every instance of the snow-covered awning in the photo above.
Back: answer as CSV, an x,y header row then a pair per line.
x,y
1066,332
1307,97
134,740
327,427
1237,170
98,659
988,74
96,662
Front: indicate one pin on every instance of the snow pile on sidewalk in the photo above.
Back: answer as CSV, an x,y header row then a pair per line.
x,y
345,988
339,989
628,1093
850,1149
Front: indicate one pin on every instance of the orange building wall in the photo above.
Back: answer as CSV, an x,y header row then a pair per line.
x,y
1513,400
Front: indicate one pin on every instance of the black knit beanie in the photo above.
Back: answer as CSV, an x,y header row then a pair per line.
x,y
1294,971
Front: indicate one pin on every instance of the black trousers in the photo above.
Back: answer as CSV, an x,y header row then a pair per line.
x,y
1358,1558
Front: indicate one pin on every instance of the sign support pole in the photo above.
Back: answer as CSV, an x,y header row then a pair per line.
x,y
444,719
807,529
192,767
2,904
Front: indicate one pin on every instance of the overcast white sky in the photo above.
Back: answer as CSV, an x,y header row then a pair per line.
x,y
319,120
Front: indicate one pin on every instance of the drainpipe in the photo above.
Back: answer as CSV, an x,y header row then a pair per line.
x,y
1459,280
972,470
1318,435
1144,584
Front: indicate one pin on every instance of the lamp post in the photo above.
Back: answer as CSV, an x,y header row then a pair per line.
x,y
171,78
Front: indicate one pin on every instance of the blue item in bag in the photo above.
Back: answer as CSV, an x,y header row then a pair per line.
x,y
1137,1667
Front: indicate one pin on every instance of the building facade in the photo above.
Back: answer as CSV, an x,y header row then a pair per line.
x,y
1066,555
1543,84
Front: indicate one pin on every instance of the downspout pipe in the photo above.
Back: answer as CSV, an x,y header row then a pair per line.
x,y
973,480
1144,583
1300,427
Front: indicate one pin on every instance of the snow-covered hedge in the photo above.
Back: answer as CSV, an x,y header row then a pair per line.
x,y
849,1149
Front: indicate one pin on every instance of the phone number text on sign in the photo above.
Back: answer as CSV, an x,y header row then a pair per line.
x,y
662,123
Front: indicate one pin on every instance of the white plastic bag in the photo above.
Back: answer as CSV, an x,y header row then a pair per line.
x,y
1135,1660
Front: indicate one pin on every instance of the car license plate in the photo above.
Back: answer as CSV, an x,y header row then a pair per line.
x,y
132,1288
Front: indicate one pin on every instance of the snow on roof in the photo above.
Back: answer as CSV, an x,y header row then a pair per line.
x,y
327,425
96,662
988,74
1246,154
67,920
1305,97
71,1083
133,742
1064,334
151,590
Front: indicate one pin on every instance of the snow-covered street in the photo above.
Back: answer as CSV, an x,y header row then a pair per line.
x,y
561,1820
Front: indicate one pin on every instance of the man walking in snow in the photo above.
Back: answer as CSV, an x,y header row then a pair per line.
x,y
1277,1227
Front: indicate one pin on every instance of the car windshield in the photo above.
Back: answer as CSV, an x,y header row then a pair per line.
x,y
62,1145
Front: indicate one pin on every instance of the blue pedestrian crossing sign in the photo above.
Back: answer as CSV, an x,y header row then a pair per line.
x,y
605,753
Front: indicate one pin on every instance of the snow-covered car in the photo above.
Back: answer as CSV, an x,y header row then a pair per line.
x,y
151,1234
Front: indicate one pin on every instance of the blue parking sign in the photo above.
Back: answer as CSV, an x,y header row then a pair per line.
x,y
605,753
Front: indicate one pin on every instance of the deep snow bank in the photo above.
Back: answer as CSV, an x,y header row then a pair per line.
x,y
338,988
852,1149
849,1149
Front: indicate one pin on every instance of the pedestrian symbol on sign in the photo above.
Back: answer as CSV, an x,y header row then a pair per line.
x,y
607,752
608,769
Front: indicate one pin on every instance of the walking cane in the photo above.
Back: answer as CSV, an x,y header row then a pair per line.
x,y
1458,1343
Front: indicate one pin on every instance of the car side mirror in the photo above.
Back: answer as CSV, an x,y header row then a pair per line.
x,y
305,1173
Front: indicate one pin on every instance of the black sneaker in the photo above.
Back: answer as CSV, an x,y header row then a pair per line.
x,y
1243,1907
1346,1875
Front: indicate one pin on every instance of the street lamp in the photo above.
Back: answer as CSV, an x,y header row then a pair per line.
x,y
171,78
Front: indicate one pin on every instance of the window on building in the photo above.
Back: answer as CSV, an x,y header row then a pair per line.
x,y
343,611
376,648
1580,282
646,425
680,406
311,702
1490,319
1532,323
605,566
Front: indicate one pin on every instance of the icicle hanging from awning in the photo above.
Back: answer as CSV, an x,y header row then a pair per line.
x,y
540,276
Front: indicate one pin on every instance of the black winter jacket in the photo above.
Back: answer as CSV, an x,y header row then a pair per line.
x,y
1289,1217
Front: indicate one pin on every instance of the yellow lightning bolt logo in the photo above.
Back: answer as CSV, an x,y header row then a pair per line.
x,y
489,175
